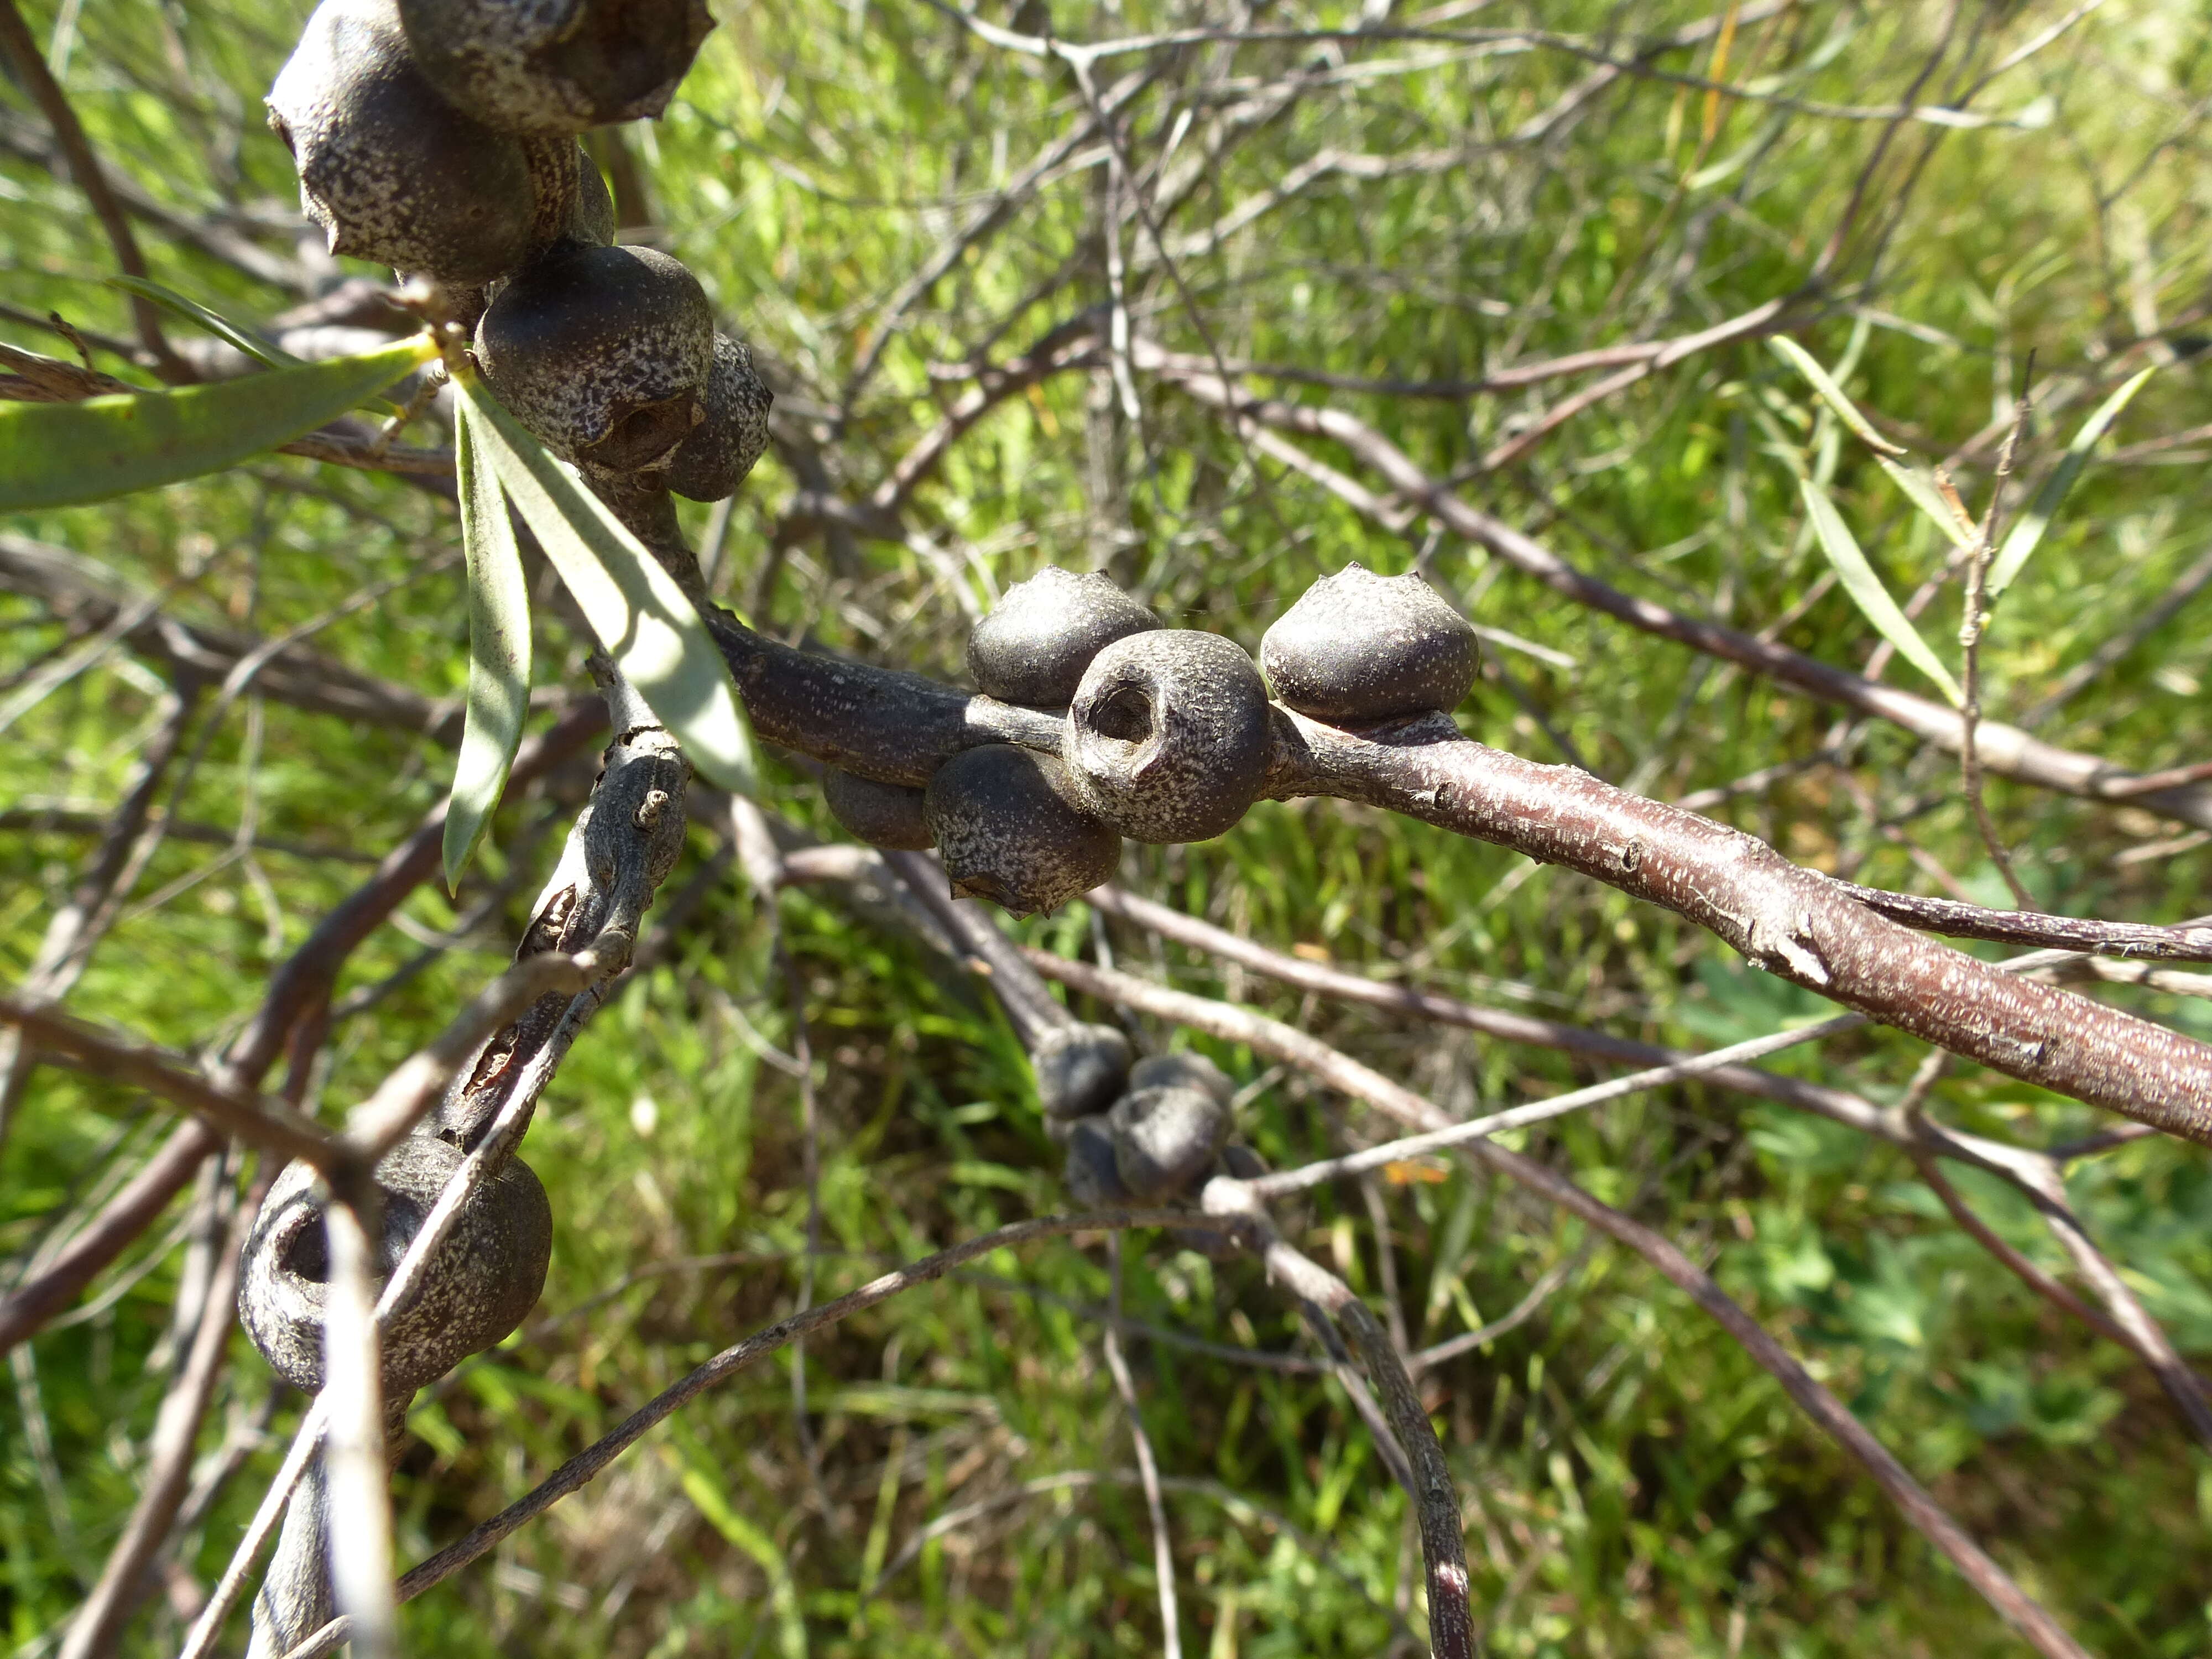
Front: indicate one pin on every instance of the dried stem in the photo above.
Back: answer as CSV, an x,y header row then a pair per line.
x,y
1285,1042
581,1469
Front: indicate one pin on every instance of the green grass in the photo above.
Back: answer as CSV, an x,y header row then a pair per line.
x,y
1634,1485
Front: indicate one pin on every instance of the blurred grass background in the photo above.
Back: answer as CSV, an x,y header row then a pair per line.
x,y
1634,1485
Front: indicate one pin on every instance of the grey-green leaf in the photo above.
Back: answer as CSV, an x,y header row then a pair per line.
x,y
2027,532
635,607
64,454
1920,490
252,342
1866,592
499,648
1833,395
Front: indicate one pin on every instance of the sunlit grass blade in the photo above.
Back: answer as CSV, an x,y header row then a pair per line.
x,y
635,607
64,454
1866,592
2028,530
498,649
1833,395
254,344
1920,490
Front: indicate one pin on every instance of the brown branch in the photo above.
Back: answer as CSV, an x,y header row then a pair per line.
x,y
2004,750
1436,1499
2191,941
29,64
257,1119
898,727
1285,1042
1788,920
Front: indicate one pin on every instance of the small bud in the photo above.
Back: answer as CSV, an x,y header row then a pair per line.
x,y
1034,644
713,460
388,168
1007,826
1080,1069
880,814
482,1282
556,66
1165,1138
1168,736
1358,647
604,353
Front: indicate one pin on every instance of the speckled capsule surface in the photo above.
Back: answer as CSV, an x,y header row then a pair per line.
x,y
1080,1069
1034,644
1184,1070
602,352
1168,735
482,1283
556,66
389,169
713,460
1164,1138
1358,647
1009,830
880,814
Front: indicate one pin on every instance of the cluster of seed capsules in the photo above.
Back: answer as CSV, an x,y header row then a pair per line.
x,y
439,138
1170,737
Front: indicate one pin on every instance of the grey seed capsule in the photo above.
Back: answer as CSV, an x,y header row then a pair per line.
x,y
481,1283
389,169
1187,1071
1168,736
1093,1180
604,353
1009,830
558,66
713,460
1165,1138
1080,1069
1034,644
880,814
1240,1164
1360,647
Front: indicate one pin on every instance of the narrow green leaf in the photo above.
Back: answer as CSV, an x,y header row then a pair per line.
x,y
1920,490
634,606
2026,533
499,650
1866,592
62,454
1831,394
253,344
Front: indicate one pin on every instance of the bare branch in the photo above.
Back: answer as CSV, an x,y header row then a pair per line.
x,y
581,1469
257,1119
1285,1042
30,71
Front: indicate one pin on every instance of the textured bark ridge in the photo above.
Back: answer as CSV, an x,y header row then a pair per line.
x,y
1791,922
898,727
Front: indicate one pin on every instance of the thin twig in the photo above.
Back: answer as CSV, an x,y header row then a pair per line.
x,y
581,1469
1285,1042
1148,1470
30,69
1974,621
